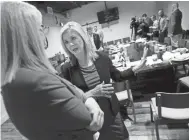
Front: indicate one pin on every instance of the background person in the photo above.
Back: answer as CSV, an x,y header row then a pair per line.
x,y
155,26
101,34
174,26
95,38
163,23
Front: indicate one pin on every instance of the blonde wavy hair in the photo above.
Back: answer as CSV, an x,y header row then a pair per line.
x,y
21,41
89,51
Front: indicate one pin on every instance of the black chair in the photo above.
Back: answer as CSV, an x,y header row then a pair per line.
x,y
118,40
126,40
183,82
110,43
169,108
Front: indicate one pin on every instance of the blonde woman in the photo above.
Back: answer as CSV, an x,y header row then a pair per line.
x,y
91,71
40,104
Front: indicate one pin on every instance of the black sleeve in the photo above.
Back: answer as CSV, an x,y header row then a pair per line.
x,y
62,103
65,71
173,22
117,76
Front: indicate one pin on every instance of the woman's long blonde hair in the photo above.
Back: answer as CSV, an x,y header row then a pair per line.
x,y
87,42
21,43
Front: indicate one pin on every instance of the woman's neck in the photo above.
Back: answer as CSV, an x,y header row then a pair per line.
x,y
84,61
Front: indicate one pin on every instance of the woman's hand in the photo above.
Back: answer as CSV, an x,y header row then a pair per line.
x,y
105,90
97,115
96,136
145,52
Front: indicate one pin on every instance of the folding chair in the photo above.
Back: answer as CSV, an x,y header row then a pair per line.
x,y
167,108
124,95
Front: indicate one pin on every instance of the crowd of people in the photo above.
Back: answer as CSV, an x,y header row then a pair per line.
x,y
160,27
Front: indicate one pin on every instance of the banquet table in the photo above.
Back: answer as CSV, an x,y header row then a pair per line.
x,y
151,79
156,77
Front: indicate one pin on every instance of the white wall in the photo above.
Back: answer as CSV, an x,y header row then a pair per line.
x,y
53,35
54,41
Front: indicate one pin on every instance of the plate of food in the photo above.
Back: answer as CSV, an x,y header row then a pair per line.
x,y
183,57
182,50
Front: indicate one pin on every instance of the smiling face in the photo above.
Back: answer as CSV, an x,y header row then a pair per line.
x,y
73,42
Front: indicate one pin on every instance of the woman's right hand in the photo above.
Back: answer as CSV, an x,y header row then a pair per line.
x,y
97,115
105,90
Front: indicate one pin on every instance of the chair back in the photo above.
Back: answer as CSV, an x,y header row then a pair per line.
x,y
172,100
187,43
122,86
105,44
167,41
118,40
126,39
182,43
119,86
110,43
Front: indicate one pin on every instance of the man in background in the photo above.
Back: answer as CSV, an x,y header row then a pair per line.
x,y
134,26
101,35
143,28
174,26
155,26
147,20
163,23
95,38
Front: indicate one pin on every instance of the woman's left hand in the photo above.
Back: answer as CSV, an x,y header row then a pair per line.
x,y
145,52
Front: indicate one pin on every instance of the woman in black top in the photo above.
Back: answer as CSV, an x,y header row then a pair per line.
x,y
91,71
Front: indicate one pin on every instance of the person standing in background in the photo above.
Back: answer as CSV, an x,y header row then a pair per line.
x,y
174,26
101,34
162,26
143,29
155,25
95,38
147,20
133,26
